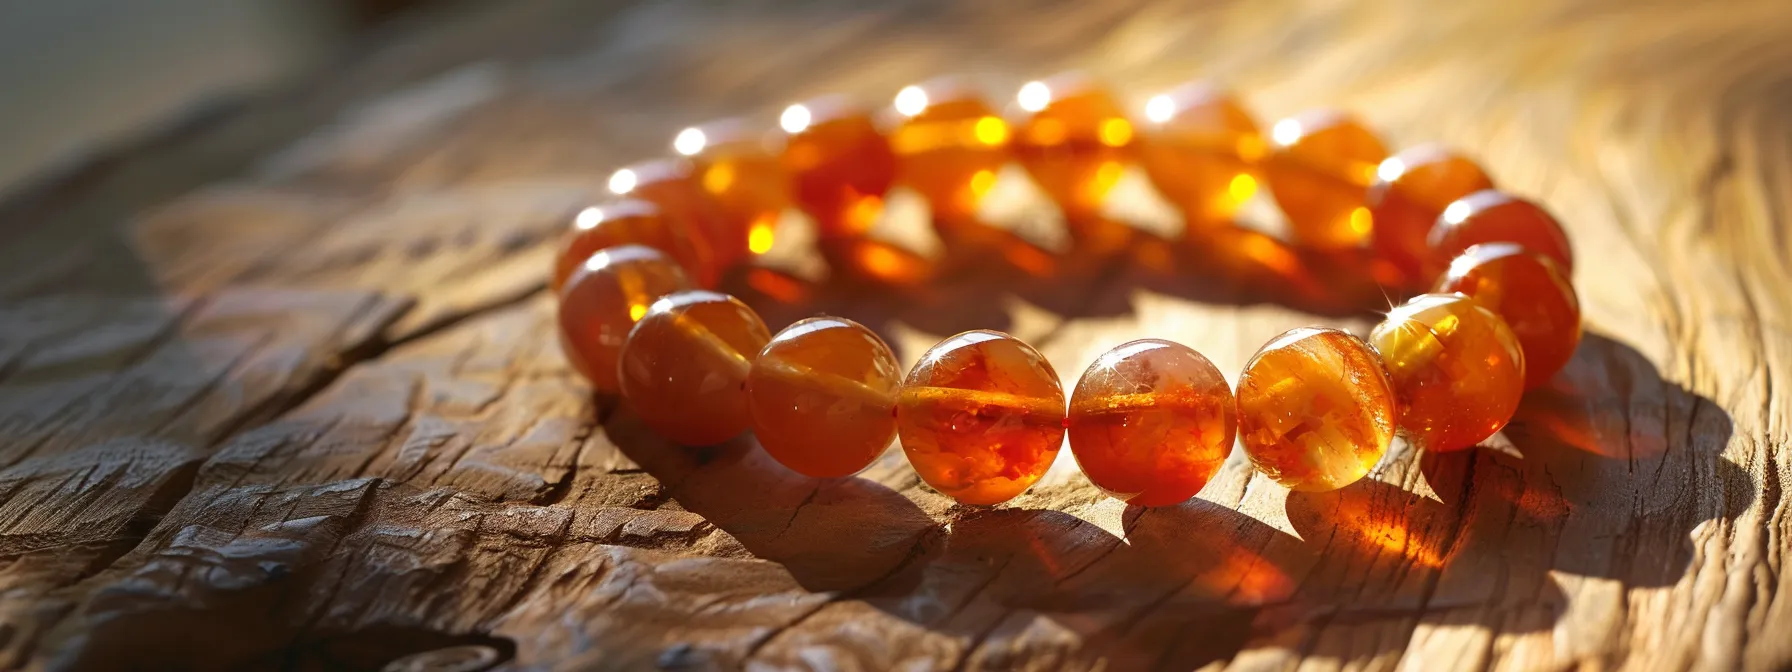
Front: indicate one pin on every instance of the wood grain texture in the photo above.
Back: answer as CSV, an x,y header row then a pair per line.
x,y
281,390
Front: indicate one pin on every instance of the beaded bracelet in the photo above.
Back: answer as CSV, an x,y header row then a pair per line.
x,y
982,415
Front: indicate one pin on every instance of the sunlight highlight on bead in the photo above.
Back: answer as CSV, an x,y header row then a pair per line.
x,y
1456,212
1286,132
690,141
911,100
1391,169
1034,96
588,218
1160,108
622,181
795,119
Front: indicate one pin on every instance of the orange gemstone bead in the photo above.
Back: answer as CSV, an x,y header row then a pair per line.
x,y
602,300
743,173
1076,145
823,394
684,368
625,222
668,183
1457,370
1151,421
981,417
1315,410
949,147
1200,149
1531,293
1497,217
1319,169
840,165
1411,190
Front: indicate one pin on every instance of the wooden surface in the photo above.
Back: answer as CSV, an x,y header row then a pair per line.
x,y
279,387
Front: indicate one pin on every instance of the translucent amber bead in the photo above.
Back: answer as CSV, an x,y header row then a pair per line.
x,y
1200,149
1319,169
668,183
981,417
603,299
823,394
1151,421
743,173
1076,144
949,147
625,222
1531,293
684,367
1315,410
1492,216
1457,370
1411,190
840,165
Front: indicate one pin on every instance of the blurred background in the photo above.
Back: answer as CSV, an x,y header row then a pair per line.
x,y
76,75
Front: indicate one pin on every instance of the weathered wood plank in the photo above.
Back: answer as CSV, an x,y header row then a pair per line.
x,y
456,485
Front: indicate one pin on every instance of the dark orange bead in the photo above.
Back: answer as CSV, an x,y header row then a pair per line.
x,y
1076,144
823,394
684,367
1151,422
668,183
743,172
1457,370
1315,410
1492,216
1319,169
1411,190
981,417
1531,293
840,165
1200,148
604,298
949,147
624,222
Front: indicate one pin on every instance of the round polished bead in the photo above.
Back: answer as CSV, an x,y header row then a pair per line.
x,y
684,367
840,165
1492,216
1531,293
1315,410
981,417
602,301
625,222
1319,169
1200,148
1457,370
1076,144
669,184
949,147
743,174
1411,190
1151,421
822,393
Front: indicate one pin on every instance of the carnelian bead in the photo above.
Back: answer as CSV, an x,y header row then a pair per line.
x,y
840,165
1457,370
1200,150
1151,421
668,183
684,367
1411,190
624,222
981,417
949,148
1076,145
602,300
1319,169
1492,216
742,171
822,394
1315,410
1531,293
